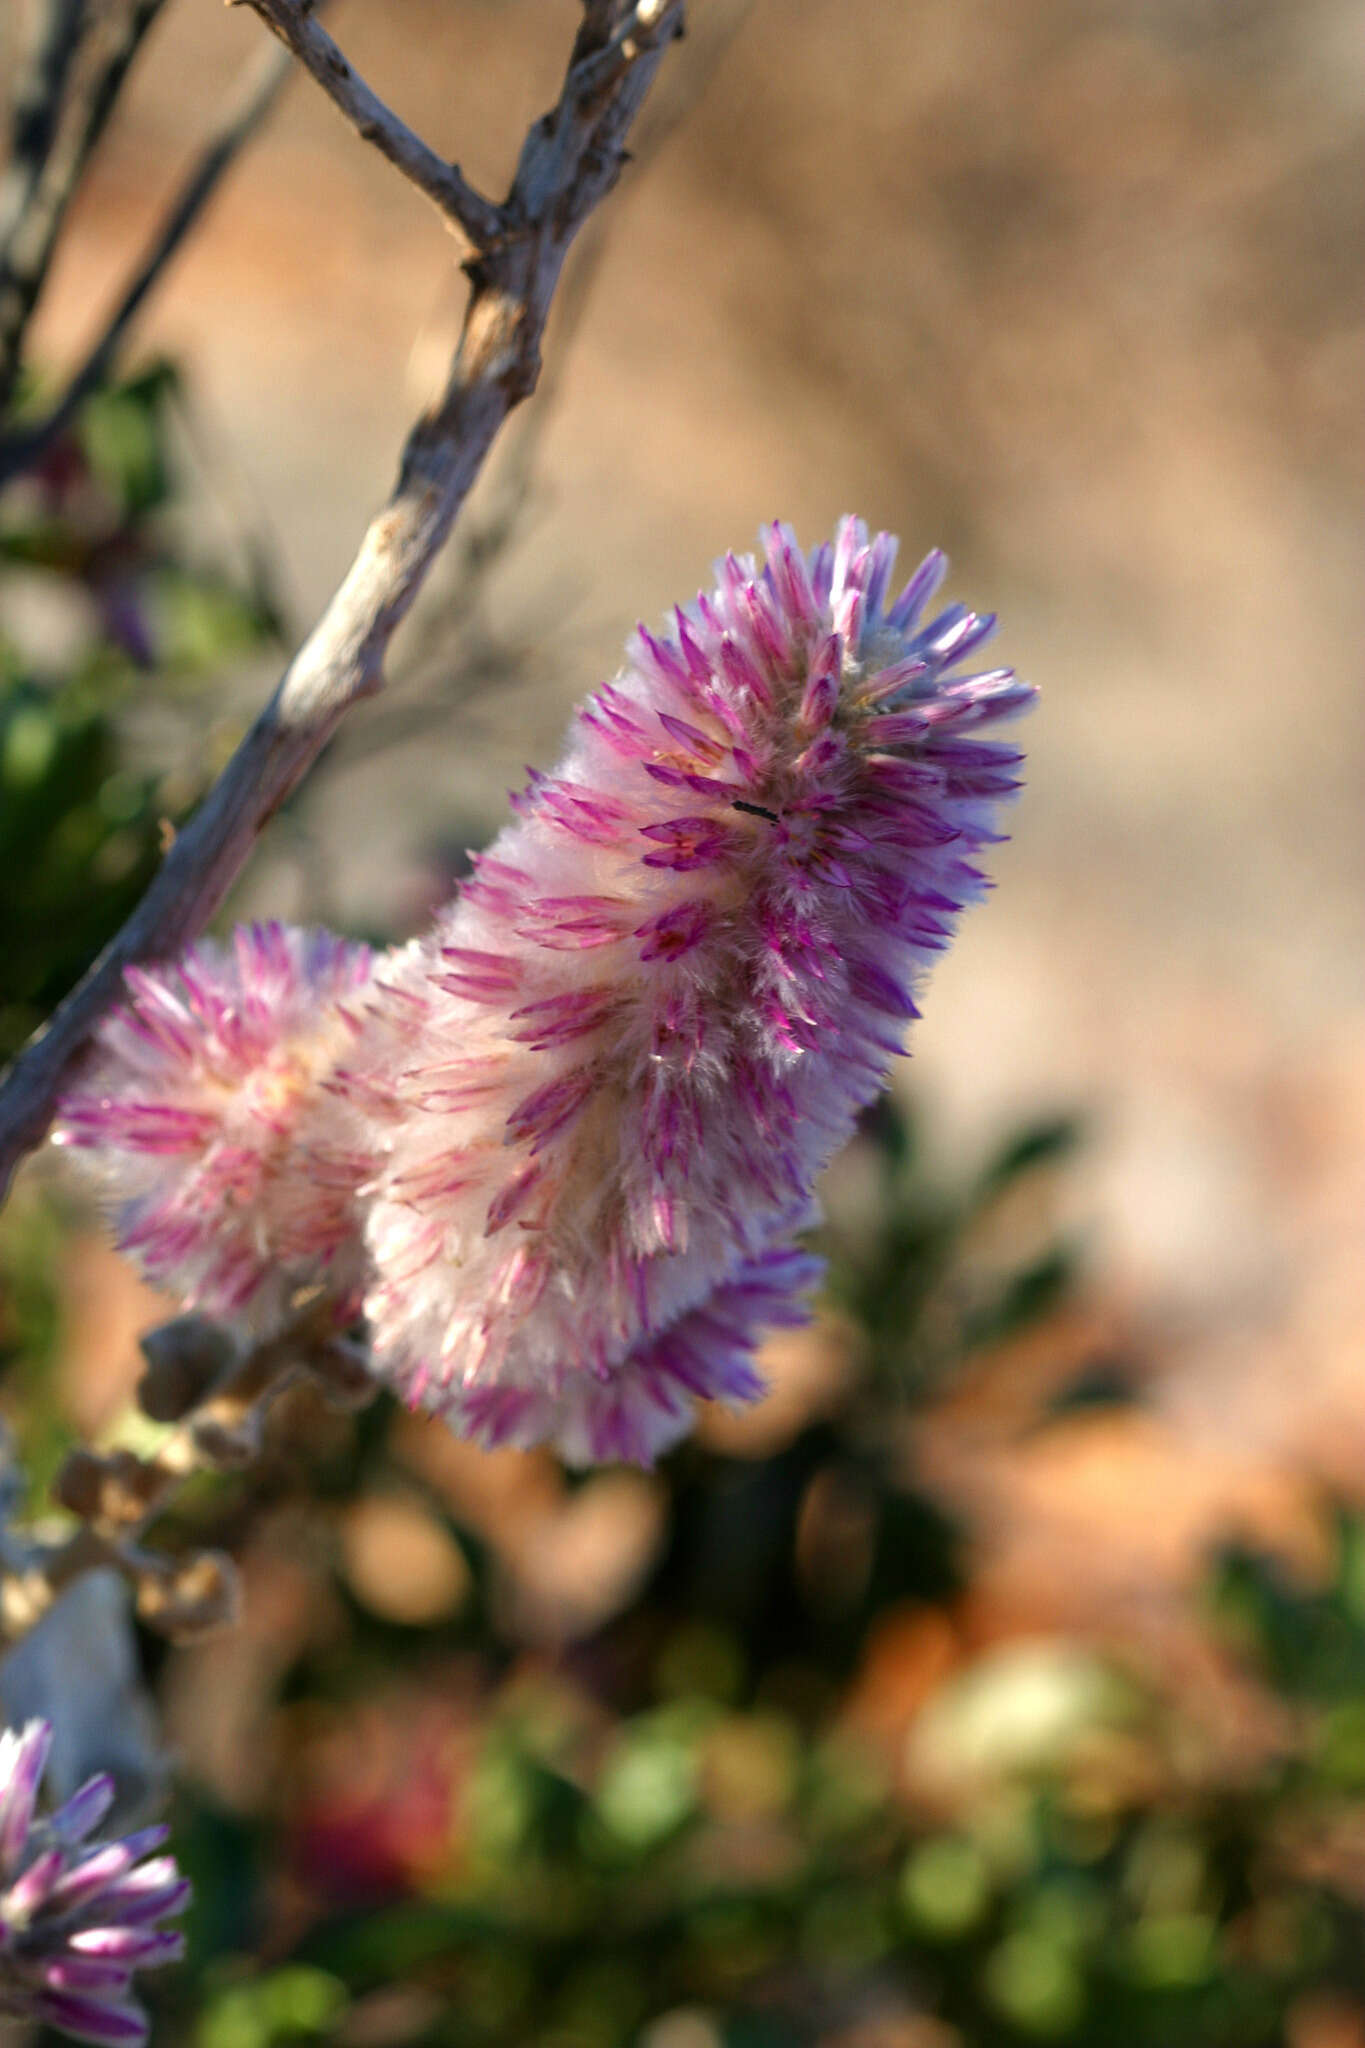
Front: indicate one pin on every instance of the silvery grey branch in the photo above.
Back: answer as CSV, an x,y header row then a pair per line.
x,y
569,161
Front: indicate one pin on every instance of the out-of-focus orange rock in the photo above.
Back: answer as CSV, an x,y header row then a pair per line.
x,y
105,1309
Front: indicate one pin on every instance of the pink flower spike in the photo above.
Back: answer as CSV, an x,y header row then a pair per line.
x,y
698,668
767,629
820,698
667,666
545,1112
692,737
597,1239
675,931
203,1117
686,843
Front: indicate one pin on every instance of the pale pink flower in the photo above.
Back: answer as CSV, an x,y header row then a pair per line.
x,y
600,1092
203,1113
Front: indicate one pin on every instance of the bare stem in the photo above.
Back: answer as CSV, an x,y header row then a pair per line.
x,y
475,219
570,160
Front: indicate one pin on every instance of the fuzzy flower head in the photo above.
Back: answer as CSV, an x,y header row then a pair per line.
x,y
77,1919
600,1092
563,1146
202,1112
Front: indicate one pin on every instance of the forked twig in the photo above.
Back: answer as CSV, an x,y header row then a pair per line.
x,y
570,159
475,219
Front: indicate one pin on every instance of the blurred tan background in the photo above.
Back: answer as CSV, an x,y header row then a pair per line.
x,y
1072,289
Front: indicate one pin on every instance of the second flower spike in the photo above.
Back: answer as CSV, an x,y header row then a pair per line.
x,y
603,1088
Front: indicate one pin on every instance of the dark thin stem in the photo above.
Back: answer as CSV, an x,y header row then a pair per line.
x,y
570,160
38,97
21,450
476,220
87,74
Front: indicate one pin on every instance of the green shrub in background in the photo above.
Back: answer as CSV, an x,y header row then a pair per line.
x,y
109,623
103,616
667,1834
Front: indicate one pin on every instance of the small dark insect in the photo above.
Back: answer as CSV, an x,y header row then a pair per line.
x,y
754,810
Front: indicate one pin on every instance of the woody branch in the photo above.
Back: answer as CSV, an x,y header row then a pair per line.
x,y
569,161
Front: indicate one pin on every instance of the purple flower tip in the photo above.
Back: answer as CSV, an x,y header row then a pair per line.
x,y
75,1922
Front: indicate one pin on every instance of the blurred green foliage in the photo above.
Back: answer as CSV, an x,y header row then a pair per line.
x,y
103,615
107,616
